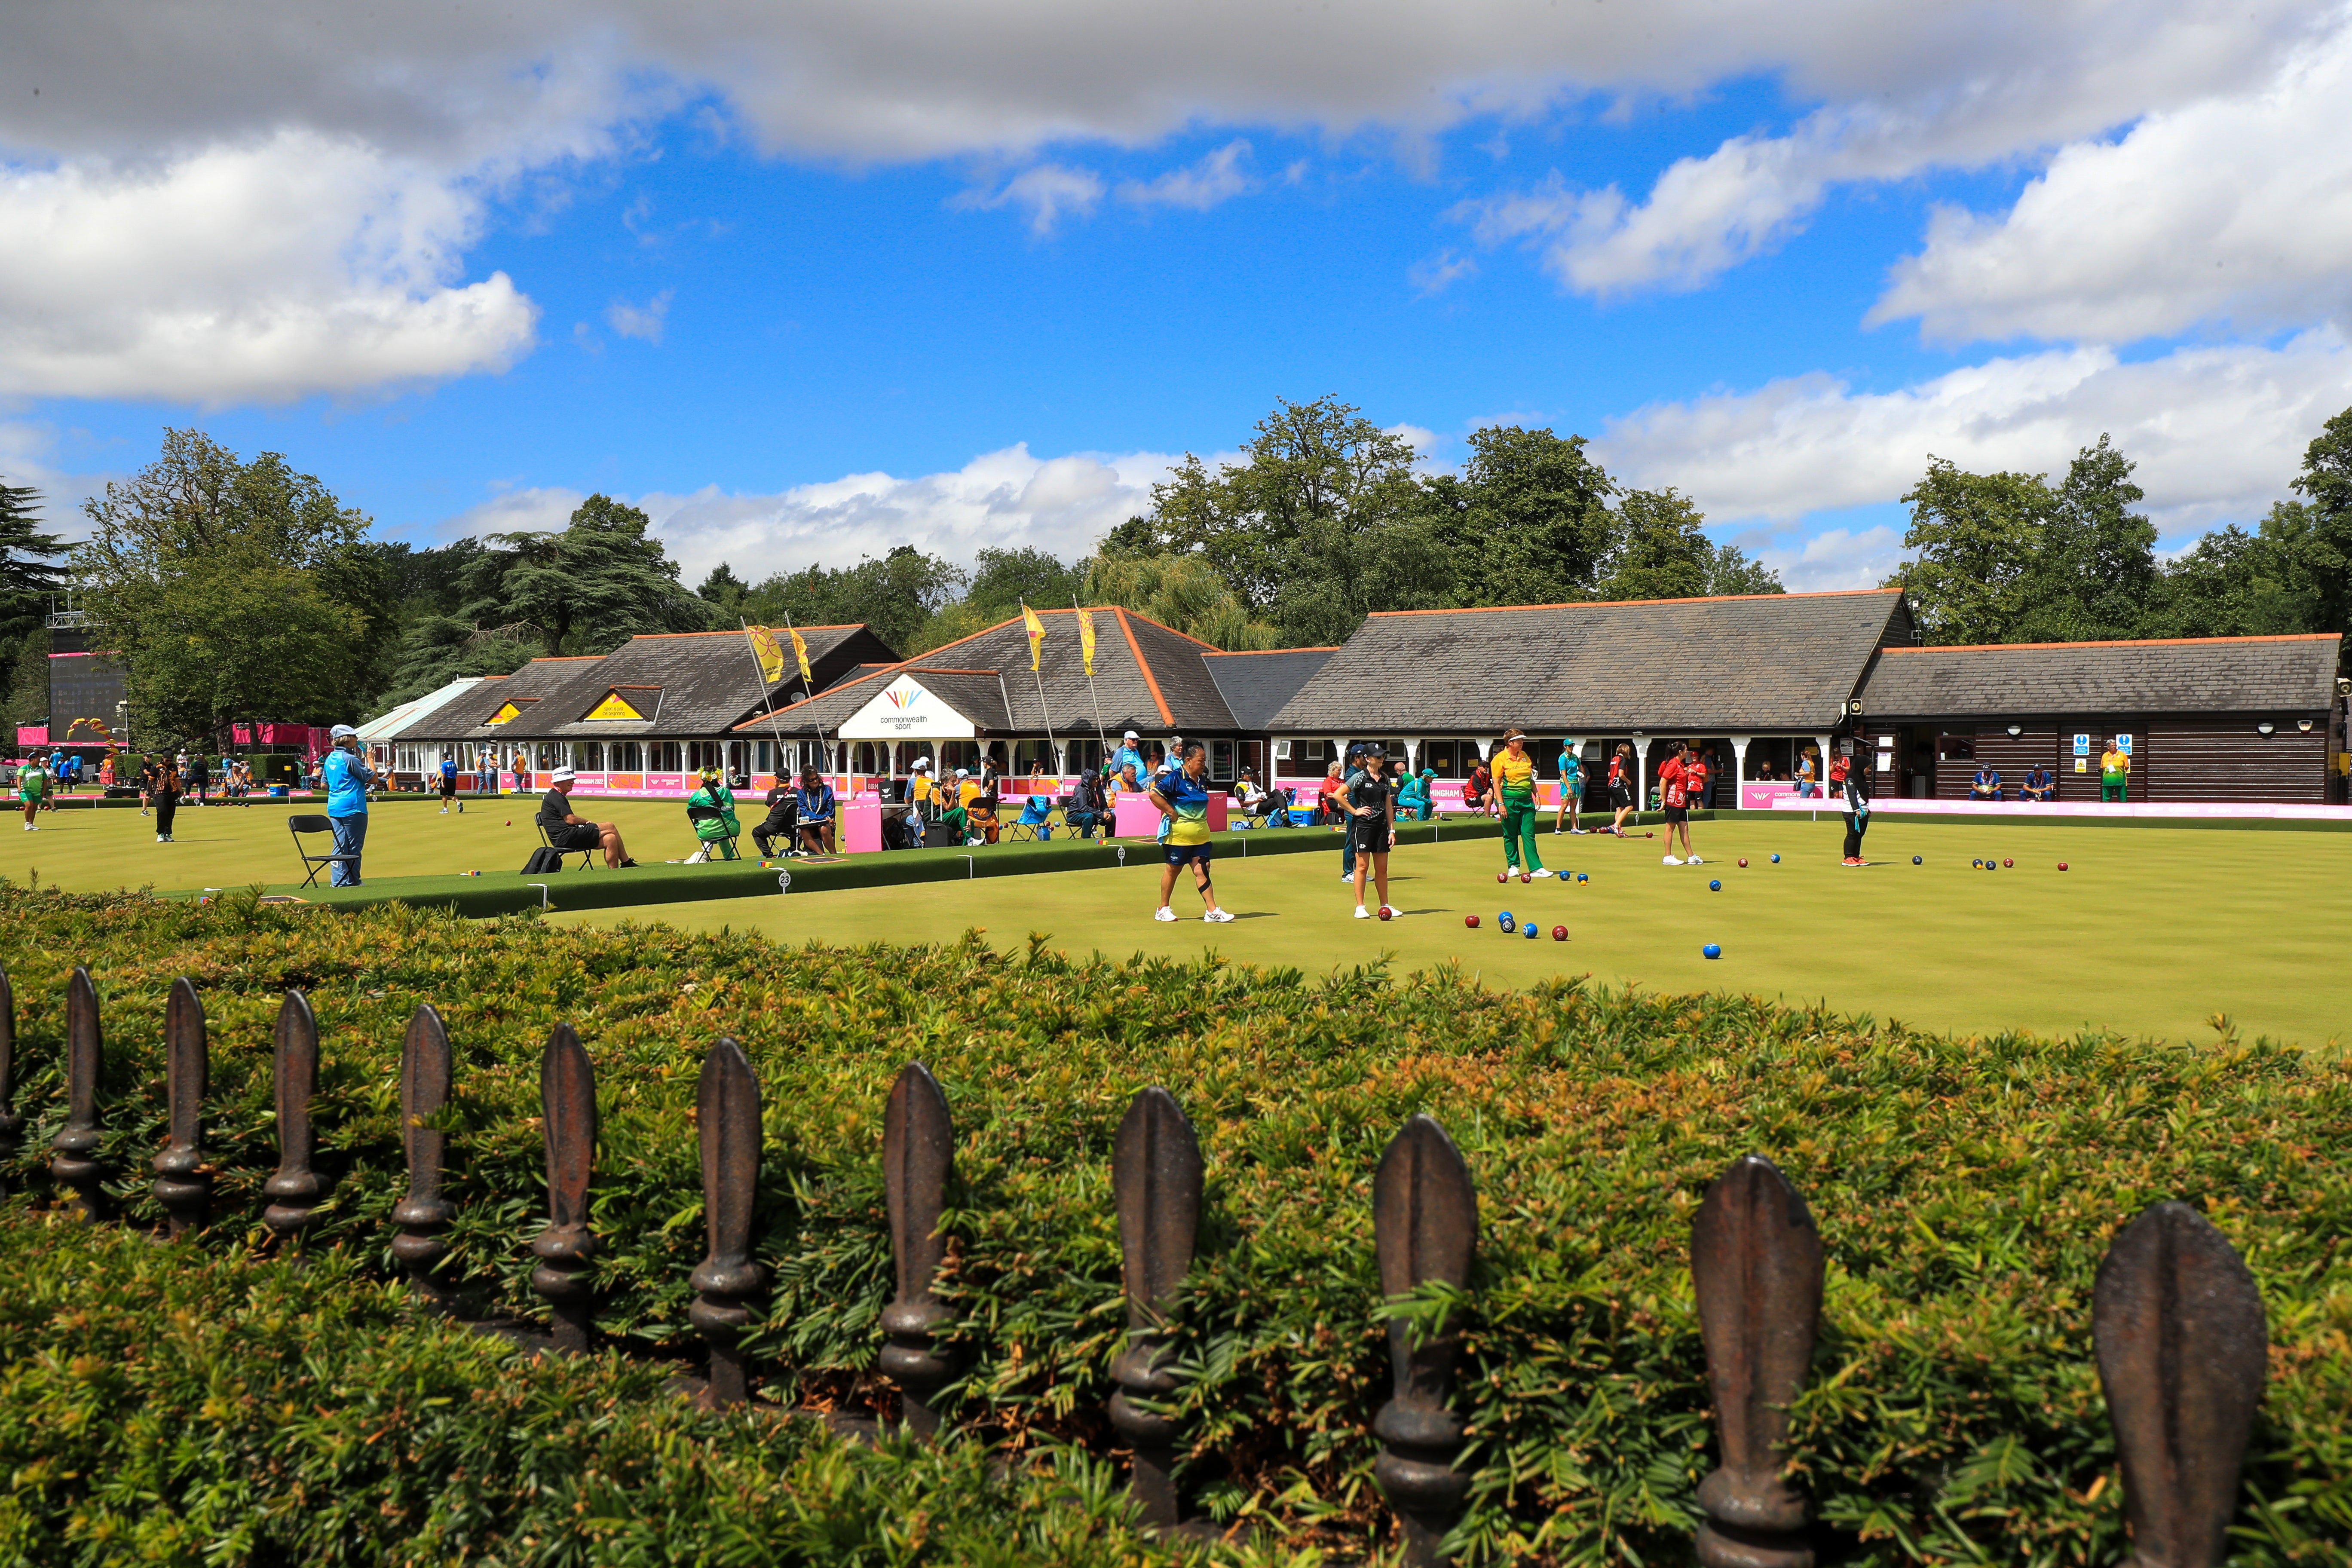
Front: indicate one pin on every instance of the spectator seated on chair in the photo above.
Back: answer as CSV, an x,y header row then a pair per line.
x,y
1986,786
712,811
2038,785
814,804
1251,799
1084,809
783,804
978,799
572,834
1413,800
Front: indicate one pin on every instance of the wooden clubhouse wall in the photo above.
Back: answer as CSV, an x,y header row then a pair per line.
x,y
2192,757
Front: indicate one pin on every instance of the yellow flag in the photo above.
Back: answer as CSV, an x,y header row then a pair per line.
x,y
1087,640
769,652
1037,634
800,652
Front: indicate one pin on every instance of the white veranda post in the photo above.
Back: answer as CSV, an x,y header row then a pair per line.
x,y
1738,766
1640,770
1412,756
1822,774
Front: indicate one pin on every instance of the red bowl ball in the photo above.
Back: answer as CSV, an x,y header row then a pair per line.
x,y
1743,863
1559,933
1385,911
2061,865
1470,921
1502,875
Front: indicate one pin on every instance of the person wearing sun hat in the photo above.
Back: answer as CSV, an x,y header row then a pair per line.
x,y
566,831
346,777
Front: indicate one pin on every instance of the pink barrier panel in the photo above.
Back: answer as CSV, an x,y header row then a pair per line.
x,y
2180,810
31,734
861,825
1135,817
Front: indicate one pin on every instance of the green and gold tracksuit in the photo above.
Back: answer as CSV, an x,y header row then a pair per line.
x,y
1515,781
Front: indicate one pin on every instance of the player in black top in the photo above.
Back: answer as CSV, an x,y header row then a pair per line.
x,y
1371,827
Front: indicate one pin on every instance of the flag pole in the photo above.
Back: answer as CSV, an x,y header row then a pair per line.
x,y
809,680
1036,650
1101,734
767,687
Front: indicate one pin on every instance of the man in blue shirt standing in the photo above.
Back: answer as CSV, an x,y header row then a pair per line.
x,y
449,784
1129,751
346,777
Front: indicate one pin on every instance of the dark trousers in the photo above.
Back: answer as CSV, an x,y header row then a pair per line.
x,y
1082,823
167,806
779,824
1856,825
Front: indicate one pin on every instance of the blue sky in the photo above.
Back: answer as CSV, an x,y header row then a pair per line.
x,y
951,293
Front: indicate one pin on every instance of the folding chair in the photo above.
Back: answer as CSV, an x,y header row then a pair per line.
x,y
587,855
298,825
1032,823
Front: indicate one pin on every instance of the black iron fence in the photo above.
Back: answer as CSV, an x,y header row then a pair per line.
x,y
2180,1335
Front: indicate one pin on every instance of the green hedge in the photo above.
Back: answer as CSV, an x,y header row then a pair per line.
x,y
160,1407
1965,1191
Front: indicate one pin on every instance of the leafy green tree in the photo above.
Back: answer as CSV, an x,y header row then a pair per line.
x,y
2325,549
2093,575
233,590
587,587
1659,551
724,590
1004,580
896,594
1975,539
31,571
1528,521
434,650
2234,583
1180,591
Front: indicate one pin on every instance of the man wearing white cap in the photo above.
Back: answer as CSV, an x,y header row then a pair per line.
x,y
1130,750
346,777
568,832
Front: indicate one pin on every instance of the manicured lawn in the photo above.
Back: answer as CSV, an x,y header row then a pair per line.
x,y
229,847
2151,933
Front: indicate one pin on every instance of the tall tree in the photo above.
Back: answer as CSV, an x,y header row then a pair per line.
x,y
1659,551
587,587
2093,575
725,590
895,593
2326,549
233,590
31,571
1180,591
1975,539
2233,583
1527,521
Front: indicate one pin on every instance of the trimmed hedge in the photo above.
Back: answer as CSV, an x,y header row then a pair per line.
x,y
1964,1190
159,1407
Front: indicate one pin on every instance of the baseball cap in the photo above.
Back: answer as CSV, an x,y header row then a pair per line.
x,y
340,730
1131,735
964,773
563,776
922,764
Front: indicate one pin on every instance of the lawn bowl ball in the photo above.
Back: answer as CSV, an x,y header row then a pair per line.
x,y
2006,863
1743,863
1714,887
1976,863
1470,921
1991,866
1559,933
1710,951
1502,875
509,822
1385,911
1531,931
1584,876
1916,861
2061,865
1503,922
1776,859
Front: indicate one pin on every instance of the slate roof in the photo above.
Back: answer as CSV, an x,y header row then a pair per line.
x,y
1147,677
466,716
1257,684
1766,662
685,683
2187,675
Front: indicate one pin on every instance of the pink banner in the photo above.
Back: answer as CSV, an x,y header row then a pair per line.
x,y
31,734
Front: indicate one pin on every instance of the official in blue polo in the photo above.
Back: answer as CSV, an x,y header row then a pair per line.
x,y
348,778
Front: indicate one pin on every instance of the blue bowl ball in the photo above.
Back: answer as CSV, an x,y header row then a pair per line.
x,y
1776,859
1976,863
1532,930
1715,887
1916,860
1584,877
1711,951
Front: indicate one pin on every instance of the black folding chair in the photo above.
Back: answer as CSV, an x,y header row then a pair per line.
x,y
587,855
298,825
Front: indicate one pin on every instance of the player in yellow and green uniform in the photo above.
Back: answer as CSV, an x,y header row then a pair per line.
x,y
1514,796
2114,773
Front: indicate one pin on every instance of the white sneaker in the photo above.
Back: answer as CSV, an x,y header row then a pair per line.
x,y
1542,873
1672,861
1695,860
1346,876
160,839
1218,917
1164,913
1362,913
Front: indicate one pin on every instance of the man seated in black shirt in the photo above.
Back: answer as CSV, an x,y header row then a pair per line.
x,y
1087,809
565,831
783,812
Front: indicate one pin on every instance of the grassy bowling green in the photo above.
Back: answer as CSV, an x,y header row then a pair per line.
x,y
2151,932
231,845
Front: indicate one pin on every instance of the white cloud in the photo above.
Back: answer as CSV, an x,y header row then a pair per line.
x,y
1200,186
646,321
1006,498
1047,192
1435,273
1835,558
2216,431
2236,208
301,263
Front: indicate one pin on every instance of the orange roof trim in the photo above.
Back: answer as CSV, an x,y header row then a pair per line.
x,y
1165,716
2119,642
1611,603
